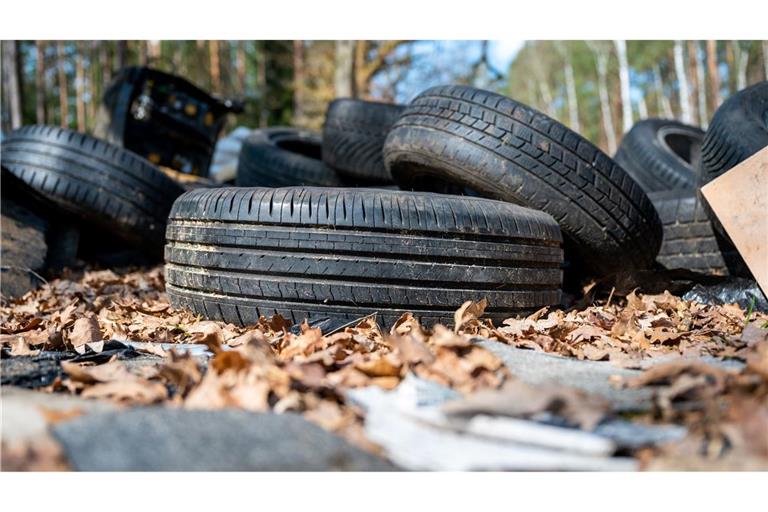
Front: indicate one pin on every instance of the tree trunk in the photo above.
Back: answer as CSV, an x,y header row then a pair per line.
x,y
664,105
143,52
765,59
694,82
105,64
626,104
11,78
298,82
122,50
605,104
701,86
213,50
573,105
80,87
642,107
682,80
153,52
261,79
63,87
546,95
344,74
240,66
742,60
40,82
714,75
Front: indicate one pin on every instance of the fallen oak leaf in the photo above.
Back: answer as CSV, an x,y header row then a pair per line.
x,y
85,331
467,312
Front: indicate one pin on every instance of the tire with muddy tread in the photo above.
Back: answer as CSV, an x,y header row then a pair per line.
x,y
106,186
235,254
283,157
661,154
505,150
353,136
689,240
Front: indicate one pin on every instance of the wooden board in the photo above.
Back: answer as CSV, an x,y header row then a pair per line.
x,y
739,198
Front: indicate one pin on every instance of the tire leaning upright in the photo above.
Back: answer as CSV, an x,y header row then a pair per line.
x,y
661,154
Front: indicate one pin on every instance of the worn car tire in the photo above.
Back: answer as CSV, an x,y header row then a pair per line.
x,y
738,130
279,157
661,154
353,136
689,240
235,254
109,187
505,150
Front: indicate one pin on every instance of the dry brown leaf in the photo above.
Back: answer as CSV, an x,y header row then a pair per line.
x,y
85,332
467,312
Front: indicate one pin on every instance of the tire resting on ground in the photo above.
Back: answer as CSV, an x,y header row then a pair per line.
x,y
279,157
505,150
236,254
689,240
106,186
353,136
647,153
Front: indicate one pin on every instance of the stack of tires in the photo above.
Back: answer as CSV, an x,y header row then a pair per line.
x,y
461,195
671,161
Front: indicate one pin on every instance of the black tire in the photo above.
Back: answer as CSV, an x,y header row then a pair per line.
x,y
106,186
661,154
235,254
505,150
689,240
738,130
353,136
280,157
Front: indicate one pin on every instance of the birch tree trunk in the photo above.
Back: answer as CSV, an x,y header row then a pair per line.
x,y
694,83
573,104
11,79
80,87
682,81
714,75
626,104
642,107
63,89
345,73
765,59
546,95
601,56
742,59
40,82
701,87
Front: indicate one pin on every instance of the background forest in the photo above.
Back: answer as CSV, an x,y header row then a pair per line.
x,y
598,88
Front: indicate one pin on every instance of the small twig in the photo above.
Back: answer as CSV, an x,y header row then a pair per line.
x,y
25,269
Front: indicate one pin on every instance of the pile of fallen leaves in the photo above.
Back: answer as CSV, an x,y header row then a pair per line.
x,y
275,366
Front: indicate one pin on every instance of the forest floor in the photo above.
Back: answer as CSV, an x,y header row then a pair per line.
x,y
108,342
